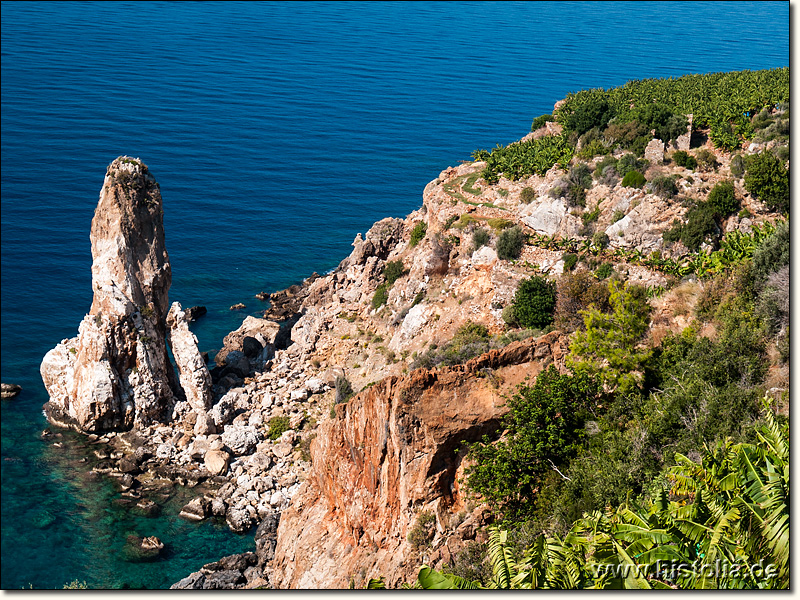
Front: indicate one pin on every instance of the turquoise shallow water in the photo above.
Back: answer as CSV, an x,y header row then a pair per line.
x,y
277,132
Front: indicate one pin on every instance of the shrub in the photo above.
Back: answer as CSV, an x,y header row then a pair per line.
x,y
534,302
393,270
699,227
570,260
510,243
629,162
773,252
600,239
344,390
722,199
768,180
607,161
480,237
684,159
633,179
663,185
471,340
465,221
544,429
539,121
423,531
604,271
381,296
418,233
499,224
277,426
625,134
527,195
706,160
578,181
737,166
576,292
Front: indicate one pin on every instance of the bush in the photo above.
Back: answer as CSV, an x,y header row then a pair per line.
x,y
527,195
722,199
418,233
663,185
684,159
706,160
423,531
344,390
737,166
596,112
277,426
699,227
471,340
773,252
393,270
625,134
480,237
600,239
534,302
381,296
498,224
539,121
544,429
768,180
570,260
629,162
576,292
578,181
604,271
510,243
607,161
633,179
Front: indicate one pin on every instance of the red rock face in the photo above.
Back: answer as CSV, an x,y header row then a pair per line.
x,y
390,454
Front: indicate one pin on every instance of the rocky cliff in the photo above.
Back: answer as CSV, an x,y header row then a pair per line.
x,y
389,455
116,372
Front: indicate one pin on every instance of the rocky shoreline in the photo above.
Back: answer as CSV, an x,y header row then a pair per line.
x,y
383,460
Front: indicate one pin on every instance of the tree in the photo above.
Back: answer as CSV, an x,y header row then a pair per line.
x,y
544,427
534,302
768,180
609,345
510,243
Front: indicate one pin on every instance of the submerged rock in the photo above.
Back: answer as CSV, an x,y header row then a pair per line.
x,y
10,390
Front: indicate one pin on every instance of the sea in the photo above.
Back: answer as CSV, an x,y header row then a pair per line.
x,y
277,131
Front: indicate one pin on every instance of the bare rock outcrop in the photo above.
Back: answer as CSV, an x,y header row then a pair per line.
x,y
389,454
116,373
255,338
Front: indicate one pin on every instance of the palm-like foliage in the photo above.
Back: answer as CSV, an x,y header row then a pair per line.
x,y
726,527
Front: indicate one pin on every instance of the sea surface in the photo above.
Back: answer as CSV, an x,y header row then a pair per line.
x,y
277,131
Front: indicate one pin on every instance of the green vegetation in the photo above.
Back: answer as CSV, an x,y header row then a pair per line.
x,y
715,96
277,426
423,531
663,185
418,233
737,166
510,243
527,195
540,121
570,260
544,425
524,158
393,270
381,295
768,180
480,237
722,199
534,303
633,179
684,159
470,340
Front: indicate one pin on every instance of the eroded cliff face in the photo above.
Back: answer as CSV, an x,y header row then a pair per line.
x,y
388,455
116,373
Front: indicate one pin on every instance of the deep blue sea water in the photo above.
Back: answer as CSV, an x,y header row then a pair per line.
x,y
277,132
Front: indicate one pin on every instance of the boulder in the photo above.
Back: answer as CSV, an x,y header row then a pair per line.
x,y
9,390
194,312
251,347
546,216
216,461
196,510
241,439
262,331
484,258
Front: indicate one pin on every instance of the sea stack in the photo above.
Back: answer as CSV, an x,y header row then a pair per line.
x,y
116,373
